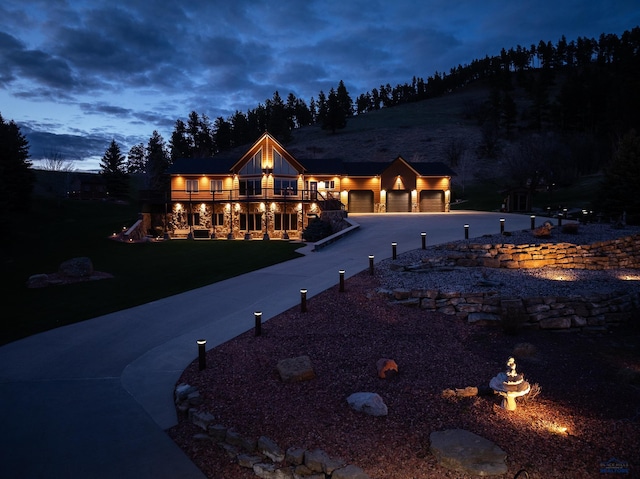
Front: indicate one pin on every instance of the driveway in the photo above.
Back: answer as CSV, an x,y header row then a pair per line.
x,y
93,399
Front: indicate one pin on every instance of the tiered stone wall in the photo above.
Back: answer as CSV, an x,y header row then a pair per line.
x,y
614,254
547,312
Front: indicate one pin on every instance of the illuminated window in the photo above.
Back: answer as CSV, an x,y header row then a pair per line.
x,y
282,166
286,221
215,185
250,187
191,186
254,166
251,221
329,185
285,187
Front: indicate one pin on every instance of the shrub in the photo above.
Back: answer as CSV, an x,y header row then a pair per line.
x,y
570,228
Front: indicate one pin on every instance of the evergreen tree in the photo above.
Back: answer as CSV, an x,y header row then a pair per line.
x,y
322,108
158,160
344,100
136,159
336,117
179,143
222,133
16,176
113,170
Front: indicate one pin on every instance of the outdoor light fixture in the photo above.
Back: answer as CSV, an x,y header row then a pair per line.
x,y
371,264
258,319
533,221
502,226
303,300
202,357
394,250
341,272
424,239
466,231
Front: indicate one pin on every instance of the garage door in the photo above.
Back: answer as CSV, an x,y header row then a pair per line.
x,y
361,201
432,201
398,201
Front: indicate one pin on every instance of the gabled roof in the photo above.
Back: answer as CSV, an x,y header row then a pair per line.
x,y
323,166
264,142
217,165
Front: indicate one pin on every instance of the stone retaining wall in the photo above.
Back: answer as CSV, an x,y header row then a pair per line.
x,y
615,254
548,312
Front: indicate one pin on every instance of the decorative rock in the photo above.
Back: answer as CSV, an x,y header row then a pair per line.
x,y
217,432
201,418
249,460
269,448
296,369
318,461
369,403
483,318
349,472
387,368
270,471
466,452
563,322
294,456
76,268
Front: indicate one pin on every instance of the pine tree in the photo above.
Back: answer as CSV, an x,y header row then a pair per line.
x,y
136,159
16,176
113,170
158,160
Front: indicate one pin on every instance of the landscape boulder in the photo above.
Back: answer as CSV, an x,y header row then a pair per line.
x,y
468,453
296,369
80,267
387,368
369,403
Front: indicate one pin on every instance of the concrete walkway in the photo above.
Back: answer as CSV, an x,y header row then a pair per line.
x,y
93,399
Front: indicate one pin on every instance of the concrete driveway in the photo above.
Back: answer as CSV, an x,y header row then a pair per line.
x,y
93,399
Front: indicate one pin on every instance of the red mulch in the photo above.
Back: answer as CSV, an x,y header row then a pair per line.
x,y
590,385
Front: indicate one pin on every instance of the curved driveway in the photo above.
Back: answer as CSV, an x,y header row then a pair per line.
x,y
92,400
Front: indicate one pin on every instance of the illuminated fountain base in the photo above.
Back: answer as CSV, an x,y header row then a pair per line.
x,y
510,385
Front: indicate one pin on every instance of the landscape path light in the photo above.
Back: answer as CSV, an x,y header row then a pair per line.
x,y
423,235
533,222
303,300
341,273
258,322
202,356
502,226
394,250
466,231
371,264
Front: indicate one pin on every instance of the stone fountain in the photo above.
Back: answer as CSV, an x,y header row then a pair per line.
x,y
510,385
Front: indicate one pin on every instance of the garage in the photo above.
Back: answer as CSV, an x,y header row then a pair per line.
x,y
432,201
361,201
398,201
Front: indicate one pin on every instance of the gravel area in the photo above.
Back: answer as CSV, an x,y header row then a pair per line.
x,y
586,413
522,283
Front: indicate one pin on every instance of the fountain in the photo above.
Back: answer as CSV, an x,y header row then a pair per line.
x,y
510,385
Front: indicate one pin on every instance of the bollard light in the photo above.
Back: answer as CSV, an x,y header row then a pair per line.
x,y
466,231
423,235
560,215
501,226
341,272
371,264
303,300
258,319
394,250
202,356
533,222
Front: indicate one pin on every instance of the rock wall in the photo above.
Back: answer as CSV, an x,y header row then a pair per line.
x,y
619,253
543,312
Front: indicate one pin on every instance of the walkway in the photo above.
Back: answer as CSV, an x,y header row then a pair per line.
x,y
92,400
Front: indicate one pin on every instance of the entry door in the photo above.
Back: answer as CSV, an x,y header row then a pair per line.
x,y
313,190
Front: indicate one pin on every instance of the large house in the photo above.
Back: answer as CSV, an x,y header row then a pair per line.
x,y
267,193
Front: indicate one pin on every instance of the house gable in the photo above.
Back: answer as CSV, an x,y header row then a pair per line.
x,y
267,155
399,175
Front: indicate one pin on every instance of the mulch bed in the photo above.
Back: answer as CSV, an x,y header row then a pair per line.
x,y
587,411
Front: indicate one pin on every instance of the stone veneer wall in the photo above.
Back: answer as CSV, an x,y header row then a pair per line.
x,y
547,312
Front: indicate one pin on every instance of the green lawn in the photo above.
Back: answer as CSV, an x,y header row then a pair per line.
x,y
56,231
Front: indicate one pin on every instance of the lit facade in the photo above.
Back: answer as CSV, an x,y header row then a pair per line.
x,y
267,193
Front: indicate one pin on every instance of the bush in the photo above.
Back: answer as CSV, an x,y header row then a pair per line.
x,y
570,228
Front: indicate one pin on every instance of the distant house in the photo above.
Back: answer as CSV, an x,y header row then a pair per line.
x,y
269,193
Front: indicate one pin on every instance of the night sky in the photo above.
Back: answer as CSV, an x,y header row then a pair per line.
x,y
76,74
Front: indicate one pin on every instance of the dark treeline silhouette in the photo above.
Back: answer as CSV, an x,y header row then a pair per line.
x,y
583,85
